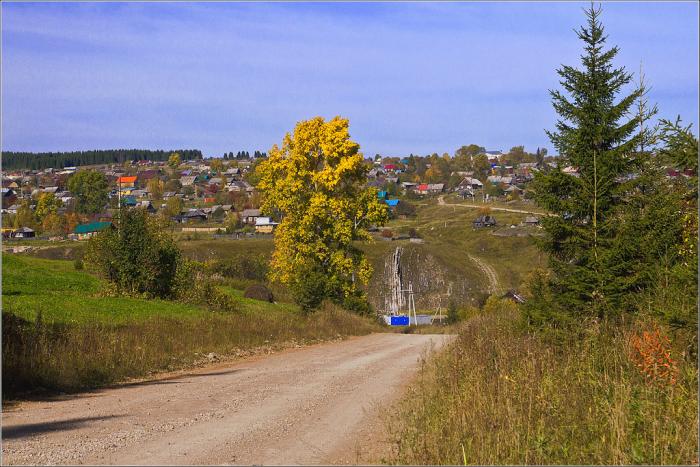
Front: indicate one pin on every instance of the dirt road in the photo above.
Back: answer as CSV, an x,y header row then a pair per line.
x,y
489,272
441,202
314,405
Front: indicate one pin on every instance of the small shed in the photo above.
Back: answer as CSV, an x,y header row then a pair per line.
x,y
484,221
531,220
24,232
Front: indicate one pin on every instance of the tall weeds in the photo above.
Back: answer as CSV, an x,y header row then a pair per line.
x,y
68,357
499,395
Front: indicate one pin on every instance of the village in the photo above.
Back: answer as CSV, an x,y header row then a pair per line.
x,y
217,196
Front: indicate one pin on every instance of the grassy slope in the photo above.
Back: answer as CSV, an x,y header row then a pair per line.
x,y
441,266
62,294
449,241
84,340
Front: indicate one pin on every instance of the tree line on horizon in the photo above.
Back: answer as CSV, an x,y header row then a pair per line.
x,y
12,160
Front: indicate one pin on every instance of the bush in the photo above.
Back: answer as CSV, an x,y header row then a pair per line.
x,y
404,208
452,313
240,266
193,286
258,292
140,258
78,264
387,233
309,290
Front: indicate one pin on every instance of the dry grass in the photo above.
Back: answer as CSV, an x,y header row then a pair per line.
x,y
54,356
499,395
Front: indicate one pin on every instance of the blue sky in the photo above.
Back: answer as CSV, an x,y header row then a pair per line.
x,y
411,77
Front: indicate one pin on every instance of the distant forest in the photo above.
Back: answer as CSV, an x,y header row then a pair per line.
x,y
58,160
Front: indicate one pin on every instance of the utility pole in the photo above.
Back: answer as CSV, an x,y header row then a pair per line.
x,y
411,304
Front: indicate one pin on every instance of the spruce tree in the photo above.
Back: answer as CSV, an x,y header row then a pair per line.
x,y
596,136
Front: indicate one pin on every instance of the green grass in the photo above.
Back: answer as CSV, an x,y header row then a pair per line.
x,y
59,334
64,295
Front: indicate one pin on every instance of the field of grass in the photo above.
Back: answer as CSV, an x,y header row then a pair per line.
x,y
60,335
502,396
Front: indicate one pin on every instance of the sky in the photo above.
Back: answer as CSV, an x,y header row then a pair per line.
x,y
411,77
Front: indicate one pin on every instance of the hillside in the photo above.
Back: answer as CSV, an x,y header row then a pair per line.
x,y
60,333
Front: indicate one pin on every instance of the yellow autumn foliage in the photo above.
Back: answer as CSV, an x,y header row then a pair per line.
x,y
316,184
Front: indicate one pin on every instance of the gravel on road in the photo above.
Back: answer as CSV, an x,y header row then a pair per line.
x,y
313,405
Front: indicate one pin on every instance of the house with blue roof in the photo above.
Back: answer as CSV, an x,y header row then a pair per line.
x,y
129,201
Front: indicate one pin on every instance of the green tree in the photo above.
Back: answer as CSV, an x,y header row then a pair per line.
x,y
139,258
90,190
481,166
155,187
25,216
316,183
173,206
591,270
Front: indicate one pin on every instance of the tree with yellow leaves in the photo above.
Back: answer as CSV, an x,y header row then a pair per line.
x,y
316,184
155,187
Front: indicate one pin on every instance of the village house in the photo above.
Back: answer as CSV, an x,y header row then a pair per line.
x,y
248,216
9,196
497,179
469,183
265,225
188,180
484,221
24,232
193,215
147,205
85,231
126,182
430,188
531,220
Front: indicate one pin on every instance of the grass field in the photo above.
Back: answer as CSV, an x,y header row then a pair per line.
x,y
502,396
60,335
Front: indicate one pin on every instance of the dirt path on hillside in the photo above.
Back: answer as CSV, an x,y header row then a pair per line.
x,y
314,405
489,272
441,202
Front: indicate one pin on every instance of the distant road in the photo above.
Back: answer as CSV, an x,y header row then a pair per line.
x,y
314,405
441,202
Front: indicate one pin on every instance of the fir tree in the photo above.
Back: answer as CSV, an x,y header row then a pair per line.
x,y
590,267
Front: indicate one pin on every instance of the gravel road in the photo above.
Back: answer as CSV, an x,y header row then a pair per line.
x,y
314,405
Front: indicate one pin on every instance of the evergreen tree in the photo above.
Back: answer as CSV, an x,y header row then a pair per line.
x,y
591,268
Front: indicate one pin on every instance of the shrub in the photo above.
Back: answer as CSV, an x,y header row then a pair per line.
x,y
258,292
387,233
78,264
193,286
404,208
452,313
138,258
251,267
